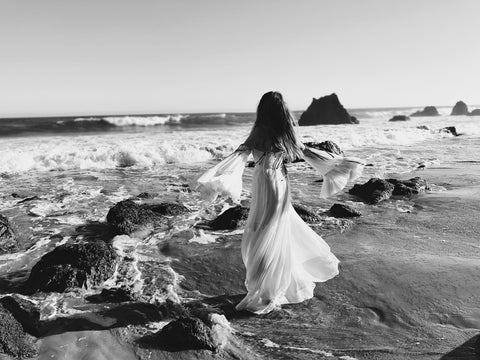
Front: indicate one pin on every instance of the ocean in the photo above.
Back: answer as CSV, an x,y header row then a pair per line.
x,y
408,283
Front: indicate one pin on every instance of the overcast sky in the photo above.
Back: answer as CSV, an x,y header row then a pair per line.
x,y
146,56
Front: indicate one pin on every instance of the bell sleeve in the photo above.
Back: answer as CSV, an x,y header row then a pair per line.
x,y
225,178
337,170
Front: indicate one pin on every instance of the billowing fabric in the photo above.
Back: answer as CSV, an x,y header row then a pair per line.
x,y
283,256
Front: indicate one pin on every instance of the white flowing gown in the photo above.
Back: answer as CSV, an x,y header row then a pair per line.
x,y
283,256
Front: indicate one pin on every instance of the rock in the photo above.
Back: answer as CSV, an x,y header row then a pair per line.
x,y
475,112
145,195
408,187
72,265
427,111
24,311
113,295
167,209
307,214
423,127
460,108
327,145
230,219
8,241
13,339
344,211
449,129
187,333
250,164
376,190
400,118
326,110
373,191
127,216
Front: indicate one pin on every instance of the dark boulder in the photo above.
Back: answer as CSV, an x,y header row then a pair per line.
x,y
427,111
307,214
13,339
72,265
423,127
373,191
24,311
408,187
376,190
230,219
344,211
475,112
8,241
326,110
400,118
450,129
113,295
186,333
127,216
327,145
460,108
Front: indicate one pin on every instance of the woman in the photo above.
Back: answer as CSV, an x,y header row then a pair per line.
x,y
283,256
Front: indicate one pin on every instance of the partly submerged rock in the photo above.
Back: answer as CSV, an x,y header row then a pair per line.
x,y
306,213
400,118
460,108
230,219
186,333
13,339
408,187
450,129
327,145
376,190
326,110
475,112
24,311
72,265
113,295
127,216
427,111
8,241
344,211
373,191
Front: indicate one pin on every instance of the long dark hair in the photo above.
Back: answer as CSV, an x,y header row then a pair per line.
x,y
273,129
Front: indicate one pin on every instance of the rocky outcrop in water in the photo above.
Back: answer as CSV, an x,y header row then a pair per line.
x,y
326,110
373,191
475,112
113,295
186,333
8,242
450,129
327,145
400,118
230,219
127,216
72,265
376,190
427,111
14,341
460,108
344,211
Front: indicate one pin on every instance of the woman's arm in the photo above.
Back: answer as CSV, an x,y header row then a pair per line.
x,y
225,178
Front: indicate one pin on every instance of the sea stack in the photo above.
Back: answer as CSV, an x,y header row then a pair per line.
x,y
427,111
460,108
326,110
475,112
